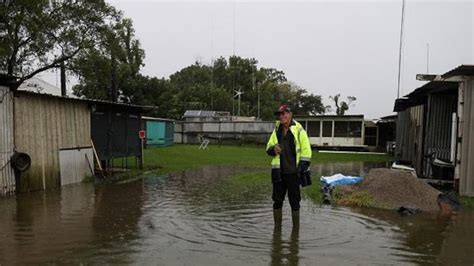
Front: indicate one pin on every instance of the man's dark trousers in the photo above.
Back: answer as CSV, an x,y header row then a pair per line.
x,y
290,183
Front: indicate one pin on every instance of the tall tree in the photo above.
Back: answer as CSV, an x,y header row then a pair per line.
x,y
342,106
120,57
40,35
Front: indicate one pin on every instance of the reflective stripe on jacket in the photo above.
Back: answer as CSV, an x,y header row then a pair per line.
x,y
302,144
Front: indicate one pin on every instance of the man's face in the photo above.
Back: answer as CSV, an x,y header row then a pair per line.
x,y
285,117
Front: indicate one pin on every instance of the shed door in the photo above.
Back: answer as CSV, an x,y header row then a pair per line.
x,y
75,165
155,133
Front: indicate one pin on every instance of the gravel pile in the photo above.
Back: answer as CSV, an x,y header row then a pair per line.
x,y
394,188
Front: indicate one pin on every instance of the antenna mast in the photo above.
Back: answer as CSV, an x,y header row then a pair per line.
x,y
400,50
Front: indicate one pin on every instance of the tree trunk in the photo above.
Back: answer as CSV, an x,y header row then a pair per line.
x,y
113,89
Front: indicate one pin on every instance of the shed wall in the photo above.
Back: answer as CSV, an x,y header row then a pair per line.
x,y
409,143
43,126
7,178
466,134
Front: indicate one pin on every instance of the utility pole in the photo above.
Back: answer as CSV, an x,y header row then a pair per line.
x,y
258,101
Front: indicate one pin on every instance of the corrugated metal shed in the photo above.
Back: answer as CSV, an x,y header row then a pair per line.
x,y
7,178
43,125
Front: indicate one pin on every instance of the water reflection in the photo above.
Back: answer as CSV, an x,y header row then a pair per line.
x,y
197,217
285,252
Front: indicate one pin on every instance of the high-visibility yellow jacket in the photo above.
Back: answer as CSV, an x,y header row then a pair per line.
x,y
302,145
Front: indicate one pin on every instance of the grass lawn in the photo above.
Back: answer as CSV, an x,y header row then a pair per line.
x,y
183,157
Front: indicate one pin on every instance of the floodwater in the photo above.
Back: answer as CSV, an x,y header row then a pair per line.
x,y
204,217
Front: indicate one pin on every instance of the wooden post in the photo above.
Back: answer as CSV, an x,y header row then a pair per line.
x,y
142,157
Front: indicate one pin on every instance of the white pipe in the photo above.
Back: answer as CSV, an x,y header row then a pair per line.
x,y
454,133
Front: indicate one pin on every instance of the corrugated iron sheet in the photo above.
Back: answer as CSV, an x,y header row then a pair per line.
x,y
438,128
409,141
466,125
43,126
7,178
75,164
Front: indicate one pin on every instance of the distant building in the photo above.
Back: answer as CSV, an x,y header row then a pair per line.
x,y
206,116
38,85
210,116
346,132
220,127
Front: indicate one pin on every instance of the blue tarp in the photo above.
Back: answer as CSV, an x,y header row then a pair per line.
x,y
340,179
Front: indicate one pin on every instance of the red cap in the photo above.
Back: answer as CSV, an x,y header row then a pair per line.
x,y
283,108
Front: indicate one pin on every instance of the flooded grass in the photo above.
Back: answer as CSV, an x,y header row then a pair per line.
x,y
184,157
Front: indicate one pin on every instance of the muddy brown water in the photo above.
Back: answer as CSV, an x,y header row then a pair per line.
x,y
201,218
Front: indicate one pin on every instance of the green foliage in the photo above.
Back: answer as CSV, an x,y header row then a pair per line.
x,y
110,68
39,35
198,86
467,202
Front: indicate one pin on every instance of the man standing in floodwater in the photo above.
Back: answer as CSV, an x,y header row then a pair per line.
x,y
291,151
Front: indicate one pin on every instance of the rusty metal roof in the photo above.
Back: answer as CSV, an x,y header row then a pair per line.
x,y
462,70
91,101
420,95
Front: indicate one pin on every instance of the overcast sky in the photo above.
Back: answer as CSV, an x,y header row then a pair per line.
x,y
347,47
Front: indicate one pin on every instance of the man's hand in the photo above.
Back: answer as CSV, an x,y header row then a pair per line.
x,y
277,149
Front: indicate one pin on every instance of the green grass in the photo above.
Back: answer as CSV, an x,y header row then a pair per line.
x,y
182,157
467,202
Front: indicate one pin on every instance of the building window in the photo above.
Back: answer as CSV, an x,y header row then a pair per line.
x,y
370,136
347,129
340,129
303,124
355,129
327,129
314,127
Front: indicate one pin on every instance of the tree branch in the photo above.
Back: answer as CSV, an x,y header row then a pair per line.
x,y
53,64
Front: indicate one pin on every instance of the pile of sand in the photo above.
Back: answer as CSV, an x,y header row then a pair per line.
x,y
393,189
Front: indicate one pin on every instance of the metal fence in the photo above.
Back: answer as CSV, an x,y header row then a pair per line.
x,y
223,132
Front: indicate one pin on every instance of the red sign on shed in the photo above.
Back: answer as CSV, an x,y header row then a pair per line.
x,y
141,134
